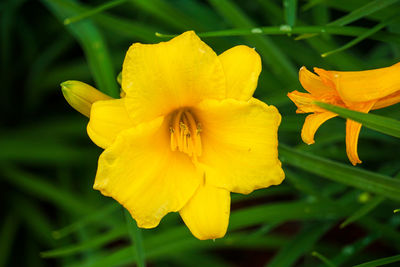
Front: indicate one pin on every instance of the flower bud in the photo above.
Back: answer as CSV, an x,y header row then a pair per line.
x,y
81,96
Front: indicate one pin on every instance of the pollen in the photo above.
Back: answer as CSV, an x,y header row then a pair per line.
x,y
185,133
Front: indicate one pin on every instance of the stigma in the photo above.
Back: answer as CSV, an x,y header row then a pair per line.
x,y
185,133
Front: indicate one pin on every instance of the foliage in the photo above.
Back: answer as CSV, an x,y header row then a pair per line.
x,y
53,217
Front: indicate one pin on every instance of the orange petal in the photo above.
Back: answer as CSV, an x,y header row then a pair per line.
x,y
313,83
304,102
361,86
312,123
353,130
387,101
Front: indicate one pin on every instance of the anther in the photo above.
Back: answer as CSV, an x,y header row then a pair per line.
x,y
185,133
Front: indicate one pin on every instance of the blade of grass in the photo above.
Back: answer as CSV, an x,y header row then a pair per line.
x,y
41,189
93,11
380,262
323,259
367,208
38,223
353,249
136,239
341,173
180,237
385,230
360,38
201,259
118,25
8,231
311,4
278,62
299,210
182,244
94,242
168,13
272,12
364,210
290,12
375,122
92,43
301,184
362,12
285,30
85,221
347,7
35,149
357,14
299,245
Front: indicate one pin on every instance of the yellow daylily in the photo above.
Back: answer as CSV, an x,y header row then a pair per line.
x,y
185,134
356,90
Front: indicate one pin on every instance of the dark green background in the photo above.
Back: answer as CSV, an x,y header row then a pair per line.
x,y
47,162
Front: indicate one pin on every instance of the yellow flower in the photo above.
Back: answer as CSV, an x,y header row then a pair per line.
x,y
356,90
185,134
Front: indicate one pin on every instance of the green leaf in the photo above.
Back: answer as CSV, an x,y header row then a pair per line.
x,y
360,38
95,242
271,54
290,12
362,12
136,237
35,186
375,122
357,14
92,43
94,11
299,245
385,230
93,217
8,231
285,30
353,249
341,173
367,208
322,258
34,219
380,262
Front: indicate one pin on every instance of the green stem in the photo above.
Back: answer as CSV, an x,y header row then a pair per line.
x,y
136,237
93,11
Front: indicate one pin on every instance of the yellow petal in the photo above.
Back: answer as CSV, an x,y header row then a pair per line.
x,y
81,96
313,83
240,144
141,172
160,78
361,86
353,131
242,66
207,212
304,102
389,100
107,120
312,123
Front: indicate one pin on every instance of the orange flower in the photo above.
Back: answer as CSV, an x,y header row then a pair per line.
x,y
356,90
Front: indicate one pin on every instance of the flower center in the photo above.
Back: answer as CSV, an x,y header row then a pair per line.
x,y
185,133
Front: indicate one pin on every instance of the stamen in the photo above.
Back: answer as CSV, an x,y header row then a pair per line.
x,y
185,133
